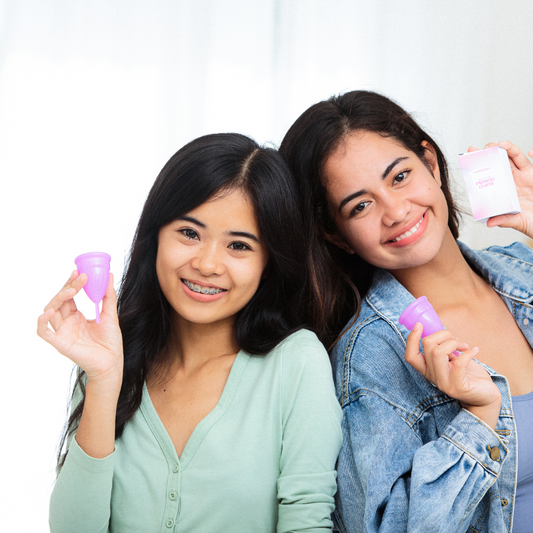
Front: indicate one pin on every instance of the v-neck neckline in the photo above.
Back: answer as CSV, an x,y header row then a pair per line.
x,y
202,428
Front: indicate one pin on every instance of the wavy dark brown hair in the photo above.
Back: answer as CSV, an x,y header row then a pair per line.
x,y
339,280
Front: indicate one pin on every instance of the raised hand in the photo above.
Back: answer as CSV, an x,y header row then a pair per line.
x,y
522,169
96,348
459,377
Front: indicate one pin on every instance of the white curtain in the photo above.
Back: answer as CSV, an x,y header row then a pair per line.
x,y
96,95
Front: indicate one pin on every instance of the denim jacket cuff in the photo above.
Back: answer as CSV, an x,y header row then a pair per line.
x,y
478,440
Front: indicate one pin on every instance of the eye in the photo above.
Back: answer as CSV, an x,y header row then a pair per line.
x,y
359,208
401,176
189,233
239,246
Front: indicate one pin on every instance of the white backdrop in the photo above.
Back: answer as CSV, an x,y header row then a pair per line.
x,y
96,96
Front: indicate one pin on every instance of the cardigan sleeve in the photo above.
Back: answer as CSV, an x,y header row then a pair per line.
x,y
81,498
311,438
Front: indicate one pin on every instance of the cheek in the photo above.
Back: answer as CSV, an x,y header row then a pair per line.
x,y
249,276
361,235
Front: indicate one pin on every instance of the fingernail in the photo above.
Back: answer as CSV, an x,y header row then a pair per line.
x,y
475,349
417,327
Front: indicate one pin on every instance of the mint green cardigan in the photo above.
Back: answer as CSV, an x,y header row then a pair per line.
x,y
263,460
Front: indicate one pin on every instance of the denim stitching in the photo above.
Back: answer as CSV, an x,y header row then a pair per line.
x,y
487,467
476,528
347,357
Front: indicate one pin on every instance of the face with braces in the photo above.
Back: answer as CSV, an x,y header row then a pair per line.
x,y
211,260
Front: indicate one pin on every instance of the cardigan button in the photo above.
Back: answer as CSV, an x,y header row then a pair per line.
x,y
495,453
173,495
170,523
176,468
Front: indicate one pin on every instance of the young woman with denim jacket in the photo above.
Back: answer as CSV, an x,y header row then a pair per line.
x,y
432,442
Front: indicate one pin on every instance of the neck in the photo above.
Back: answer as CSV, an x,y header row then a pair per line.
x,y
446,280
196,344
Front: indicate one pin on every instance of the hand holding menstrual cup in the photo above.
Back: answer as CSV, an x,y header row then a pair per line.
x,y
422,311
96,265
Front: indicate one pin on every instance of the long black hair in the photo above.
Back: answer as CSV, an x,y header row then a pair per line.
x,y
311,140
199,171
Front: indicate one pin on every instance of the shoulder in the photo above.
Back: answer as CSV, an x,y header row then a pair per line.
x,y
517,252
509,269
298,354
375,332
369,358
305,378
302,351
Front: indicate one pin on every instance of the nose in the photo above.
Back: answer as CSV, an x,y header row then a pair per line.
x,y
395,209
208,260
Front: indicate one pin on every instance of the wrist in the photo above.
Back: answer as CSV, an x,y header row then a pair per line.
x,y
488,413
104,386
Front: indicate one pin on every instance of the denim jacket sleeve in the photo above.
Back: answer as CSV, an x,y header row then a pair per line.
x,y
412,459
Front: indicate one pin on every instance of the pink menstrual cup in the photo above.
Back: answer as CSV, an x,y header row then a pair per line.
x,y
96,266
422,311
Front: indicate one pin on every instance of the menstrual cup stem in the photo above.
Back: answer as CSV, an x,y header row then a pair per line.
x,y
97,307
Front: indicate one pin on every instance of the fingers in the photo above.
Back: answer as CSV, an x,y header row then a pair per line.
x,y
412,349
516,156
502,221
463,360
490,145
439,351
109,302
474,149
63,302
42,326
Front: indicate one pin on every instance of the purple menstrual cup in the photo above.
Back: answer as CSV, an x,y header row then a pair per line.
x,y
96,266
422,311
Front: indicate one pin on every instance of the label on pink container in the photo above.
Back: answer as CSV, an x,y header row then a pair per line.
x,y
489,183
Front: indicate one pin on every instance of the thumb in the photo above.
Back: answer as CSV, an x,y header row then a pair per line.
x,y
412,349
109,302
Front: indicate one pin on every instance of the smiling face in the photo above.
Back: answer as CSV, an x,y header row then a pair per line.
x,y
386,203
210,261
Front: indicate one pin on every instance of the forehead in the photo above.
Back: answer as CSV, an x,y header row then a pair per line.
x,y
363,149
361,155
233,202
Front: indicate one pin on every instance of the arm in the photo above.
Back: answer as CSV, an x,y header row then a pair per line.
x,y
311,438
523,176
97,349
458,377
412,460
81,496
391,482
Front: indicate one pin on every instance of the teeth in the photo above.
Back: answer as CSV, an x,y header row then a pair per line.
x,y
410,232
202,290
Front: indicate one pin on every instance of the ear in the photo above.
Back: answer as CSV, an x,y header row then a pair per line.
x,y
338,240
431,160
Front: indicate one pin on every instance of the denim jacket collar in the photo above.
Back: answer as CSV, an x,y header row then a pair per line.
x,y
389,298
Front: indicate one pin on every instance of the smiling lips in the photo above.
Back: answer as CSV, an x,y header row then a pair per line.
x,y
200,289
412,234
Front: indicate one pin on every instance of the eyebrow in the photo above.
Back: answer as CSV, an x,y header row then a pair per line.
x,y
354,195
244,234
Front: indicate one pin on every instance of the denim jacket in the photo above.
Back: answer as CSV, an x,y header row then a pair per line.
x,y
412,459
